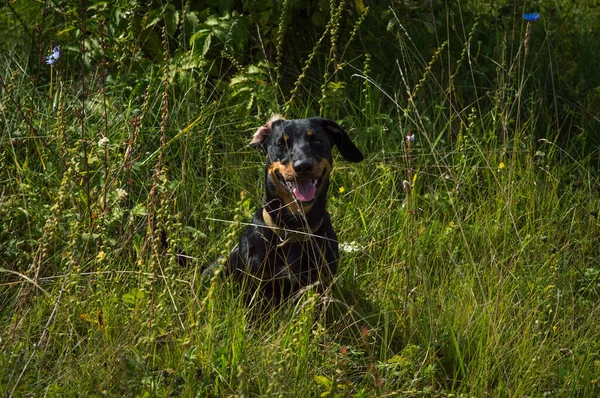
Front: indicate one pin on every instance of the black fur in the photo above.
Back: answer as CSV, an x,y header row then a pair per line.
x,y
291,243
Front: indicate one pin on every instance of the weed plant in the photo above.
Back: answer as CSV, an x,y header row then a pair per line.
x,y
470,236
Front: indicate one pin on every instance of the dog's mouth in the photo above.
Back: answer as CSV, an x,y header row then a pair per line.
x,y
303,189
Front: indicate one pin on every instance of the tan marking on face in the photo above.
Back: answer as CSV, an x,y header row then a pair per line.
x,y
309,133
322,168
287,171
286,137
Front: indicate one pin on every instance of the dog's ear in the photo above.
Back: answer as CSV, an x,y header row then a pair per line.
x,y
341,140
263,132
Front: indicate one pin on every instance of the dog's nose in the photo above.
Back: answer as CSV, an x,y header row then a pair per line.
x,y
303,167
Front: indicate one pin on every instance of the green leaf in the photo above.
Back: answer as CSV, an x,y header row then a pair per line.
x,y
139,210
206,45
201,41
191,21
171,16
128,299
152,18
323,381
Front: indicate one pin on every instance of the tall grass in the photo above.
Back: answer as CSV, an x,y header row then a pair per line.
x,y
470,262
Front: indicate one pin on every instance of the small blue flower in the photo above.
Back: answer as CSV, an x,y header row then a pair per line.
x,y
410,138
531,16
52,58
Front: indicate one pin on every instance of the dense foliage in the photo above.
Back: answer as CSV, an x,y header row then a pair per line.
x,y
470,235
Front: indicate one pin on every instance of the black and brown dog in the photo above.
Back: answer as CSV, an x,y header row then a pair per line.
x,y
290,244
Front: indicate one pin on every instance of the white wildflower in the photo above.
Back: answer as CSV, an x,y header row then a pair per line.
x,y
121,193
350,247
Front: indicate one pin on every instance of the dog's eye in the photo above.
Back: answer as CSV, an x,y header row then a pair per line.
x,y
281,144
317,142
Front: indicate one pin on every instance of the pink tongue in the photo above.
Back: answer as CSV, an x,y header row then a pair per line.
x,y
304,190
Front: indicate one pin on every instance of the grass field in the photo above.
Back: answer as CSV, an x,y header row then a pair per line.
x,y
471,242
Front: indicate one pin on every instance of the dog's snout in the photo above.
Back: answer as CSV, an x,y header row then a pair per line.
x,y
303,167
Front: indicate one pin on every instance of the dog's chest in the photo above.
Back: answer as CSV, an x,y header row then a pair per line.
x,y
301,263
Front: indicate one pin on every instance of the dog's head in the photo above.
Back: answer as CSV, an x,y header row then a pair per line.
x,y
299,156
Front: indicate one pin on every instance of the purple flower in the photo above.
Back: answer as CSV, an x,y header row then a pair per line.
x,y
410,138
531,16
52,58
